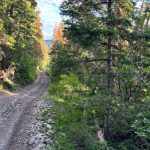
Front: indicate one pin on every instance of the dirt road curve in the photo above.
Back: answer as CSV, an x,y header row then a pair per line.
x,y
16,113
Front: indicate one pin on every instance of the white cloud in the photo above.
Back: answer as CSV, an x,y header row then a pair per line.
x,y
50,16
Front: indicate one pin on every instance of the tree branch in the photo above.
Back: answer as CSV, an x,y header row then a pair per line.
x,y
91,60
5,75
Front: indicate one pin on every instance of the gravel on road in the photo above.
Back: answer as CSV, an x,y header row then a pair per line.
x,y
20,122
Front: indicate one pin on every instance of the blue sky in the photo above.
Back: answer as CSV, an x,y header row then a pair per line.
x,y
50,16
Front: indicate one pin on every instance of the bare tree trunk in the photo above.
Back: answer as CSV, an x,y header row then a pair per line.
x,y
107,133
109,43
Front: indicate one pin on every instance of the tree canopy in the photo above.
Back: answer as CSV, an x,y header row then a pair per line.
x,y
19,33
101,76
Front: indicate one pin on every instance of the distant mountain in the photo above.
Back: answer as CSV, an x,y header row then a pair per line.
x,y
48,42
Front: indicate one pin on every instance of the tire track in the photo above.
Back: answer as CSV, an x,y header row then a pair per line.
x,y
13,109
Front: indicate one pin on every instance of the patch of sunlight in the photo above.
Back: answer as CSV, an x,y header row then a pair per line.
x,y
61,100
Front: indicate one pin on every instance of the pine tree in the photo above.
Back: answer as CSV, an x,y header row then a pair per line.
x,y
58,35
18,33
107,49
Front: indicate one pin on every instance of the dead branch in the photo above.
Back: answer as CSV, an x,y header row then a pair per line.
x,y
100,134
7,74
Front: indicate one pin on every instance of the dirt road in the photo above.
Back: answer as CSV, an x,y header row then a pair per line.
x,y
16,114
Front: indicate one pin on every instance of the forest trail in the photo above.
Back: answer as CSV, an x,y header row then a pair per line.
x,y
16,113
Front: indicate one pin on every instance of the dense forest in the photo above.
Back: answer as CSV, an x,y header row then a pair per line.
x,y
22,49
98,66
100,76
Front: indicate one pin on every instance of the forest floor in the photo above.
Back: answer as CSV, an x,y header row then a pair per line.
x,y
19,115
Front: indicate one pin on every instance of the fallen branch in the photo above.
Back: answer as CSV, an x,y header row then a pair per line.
x,y
7,74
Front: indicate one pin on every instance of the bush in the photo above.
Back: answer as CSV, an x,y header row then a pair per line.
x,y
72,130
27,71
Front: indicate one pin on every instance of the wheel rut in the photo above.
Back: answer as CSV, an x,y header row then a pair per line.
x,y
17,109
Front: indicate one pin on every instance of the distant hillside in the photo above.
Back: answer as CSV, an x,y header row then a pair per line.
x,y
48,42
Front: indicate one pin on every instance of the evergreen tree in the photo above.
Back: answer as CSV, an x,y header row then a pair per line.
x,y
18,35
108,51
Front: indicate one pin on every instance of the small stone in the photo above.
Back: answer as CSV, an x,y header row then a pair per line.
x,y
48,141
40,146
36,142
50,132
48,126
39,124
31,142
39,136
50,120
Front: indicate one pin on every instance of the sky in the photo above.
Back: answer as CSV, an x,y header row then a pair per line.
x,y
50,16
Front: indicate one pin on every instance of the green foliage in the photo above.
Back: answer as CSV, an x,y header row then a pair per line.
x,y
1,86
106,67
125,145
68,87
27,71
62,59
18,37
141,125
69,109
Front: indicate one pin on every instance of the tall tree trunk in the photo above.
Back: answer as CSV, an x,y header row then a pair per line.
x,y
109,42
107,132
